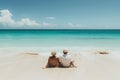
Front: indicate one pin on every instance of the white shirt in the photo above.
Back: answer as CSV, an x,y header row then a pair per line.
x,y
65,60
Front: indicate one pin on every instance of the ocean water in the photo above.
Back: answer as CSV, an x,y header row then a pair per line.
x,y
46,40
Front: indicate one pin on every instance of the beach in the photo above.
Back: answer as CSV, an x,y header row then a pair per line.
x,y
82,37
83,34
24,54
90,66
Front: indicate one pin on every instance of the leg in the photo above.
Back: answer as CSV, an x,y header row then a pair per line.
x,y
72,64
47,66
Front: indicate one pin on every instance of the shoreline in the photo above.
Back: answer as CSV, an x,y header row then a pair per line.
x,y
48,50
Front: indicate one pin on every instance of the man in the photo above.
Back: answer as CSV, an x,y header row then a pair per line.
x,y
65,60
53,61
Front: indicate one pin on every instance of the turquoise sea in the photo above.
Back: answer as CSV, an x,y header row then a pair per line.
x,y
13,42
60,38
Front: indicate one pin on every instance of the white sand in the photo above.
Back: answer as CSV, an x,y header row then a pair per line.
x,y
90,67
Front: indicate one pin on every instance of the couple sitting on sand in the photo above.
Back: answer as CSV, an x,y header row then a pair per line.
x,y
63,61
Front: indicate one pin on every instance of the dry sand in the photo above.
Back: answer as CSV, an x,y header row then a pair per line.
x,y
89,67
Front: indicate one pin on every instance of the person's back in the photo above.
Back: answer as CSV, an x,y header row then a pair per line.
x,y
65,60
53,61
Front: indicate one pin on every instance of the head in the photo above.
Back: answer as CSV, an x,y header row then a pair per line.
x,y
53,53
65,51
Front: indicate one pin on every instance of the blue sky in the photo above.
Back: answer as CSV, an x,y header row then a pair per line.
x,y
60,14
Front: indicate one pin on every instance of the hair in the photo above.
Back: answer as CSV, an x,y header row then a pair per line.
x,y
53,53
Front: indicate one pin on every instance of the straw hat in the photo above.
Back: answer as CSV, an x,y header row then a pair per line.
x,y
53,53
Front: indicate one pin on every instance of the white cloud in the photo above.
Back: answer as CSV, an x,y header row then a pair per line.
x,y
6,19
51,18
46,24
73,25
27,22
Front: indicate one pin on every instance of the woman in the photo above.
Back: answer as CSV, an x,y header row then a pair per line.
x,y
53,61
